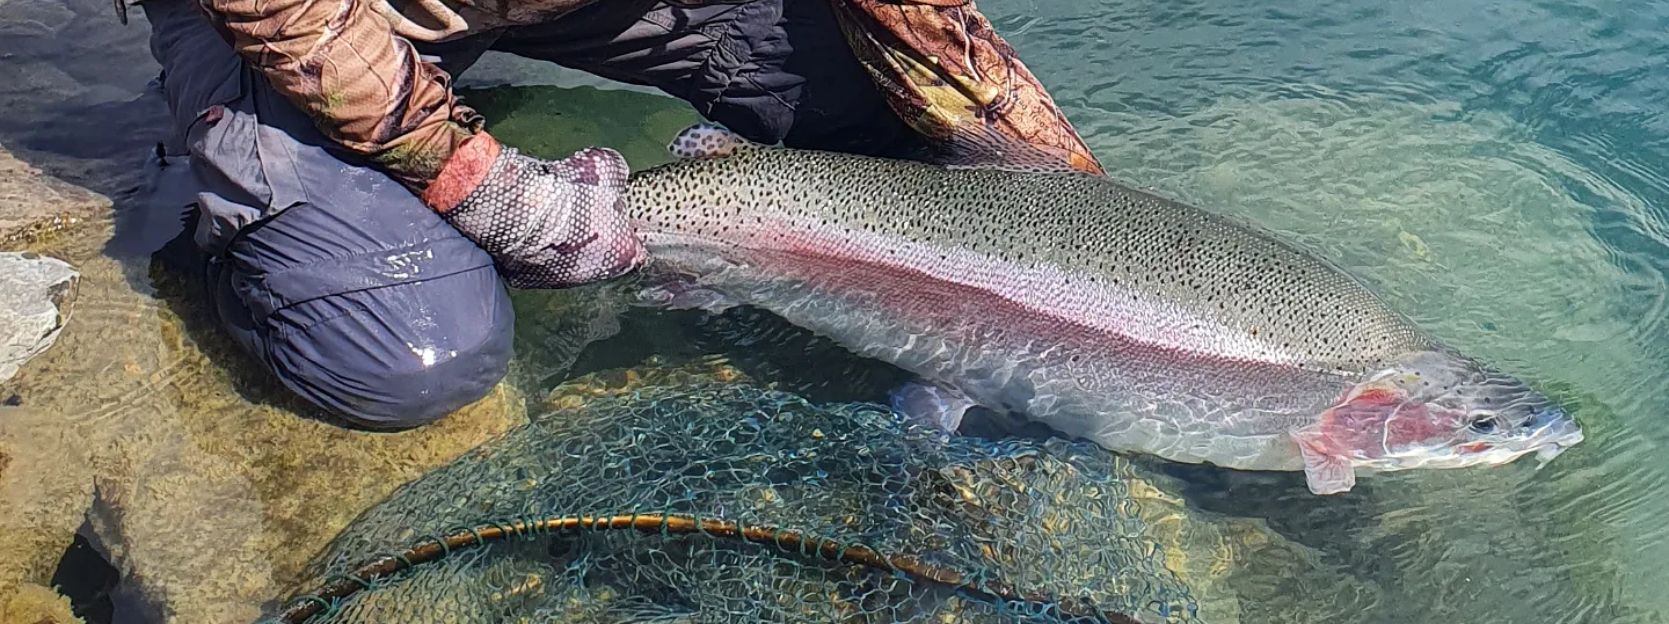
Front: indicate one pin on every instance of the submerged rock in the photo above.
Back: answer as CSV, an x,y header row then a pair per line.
x,y
204,525
35,604
46,483
35,292
654,372
34,205
204,482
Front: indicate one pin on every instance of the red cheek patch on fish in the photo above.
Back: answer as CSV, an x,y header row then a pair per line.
x,y
1376,421
1372,420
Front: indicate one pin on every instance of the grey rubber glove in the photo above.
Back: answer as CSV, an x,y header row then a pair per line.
x,y
547,224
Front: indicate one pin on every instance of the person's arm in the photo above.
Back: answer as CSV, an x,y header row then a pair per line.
x,y
363,86
948,74
546,223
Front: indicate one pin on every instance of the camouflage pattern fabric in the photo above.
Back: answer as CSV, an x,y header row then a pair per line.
x,y
952,78
938,62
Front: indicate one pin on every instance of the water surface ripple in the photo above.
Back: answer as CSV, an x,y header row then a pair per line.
x,y
1497,170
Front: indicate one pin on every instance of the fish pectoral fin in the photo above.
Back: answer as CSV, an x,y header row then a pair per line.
x,y
707,141
1324,472
932,405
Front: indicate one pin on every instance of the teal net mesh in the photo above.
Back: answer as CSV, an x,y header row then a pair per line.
x,y
989,531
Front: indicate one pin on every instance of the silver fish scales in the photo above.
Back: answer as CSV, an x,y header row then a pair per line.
x,y
1137,322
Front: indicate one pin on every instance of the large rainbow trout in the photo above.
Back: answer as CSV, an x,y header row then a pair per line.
x,y
1104,312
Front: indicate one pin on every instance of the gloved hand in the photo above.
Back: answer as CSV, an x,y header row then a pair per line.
x,y
547,224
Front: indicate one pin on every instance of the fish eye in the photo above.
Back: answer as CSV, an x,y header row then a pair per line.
x,y
1483,423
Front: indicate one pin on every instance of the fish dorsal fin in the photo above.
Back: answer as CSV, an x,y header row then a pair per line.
x,y
983,147
707,141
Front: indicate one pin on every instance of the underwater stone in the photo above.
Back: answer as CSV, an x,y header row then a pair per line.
x,y
46,484
34,295
35,604
274,486
214,484
35,205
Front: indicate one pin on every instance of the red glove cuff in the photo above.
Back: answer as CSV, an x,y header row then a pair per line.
x,y
465,170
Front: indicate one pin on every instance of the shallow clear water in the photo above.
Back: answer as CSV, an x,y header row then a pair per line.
x,y
1495,169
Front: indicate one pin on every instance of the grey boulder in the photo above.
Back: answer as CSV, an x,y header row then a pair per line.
x,y
35,293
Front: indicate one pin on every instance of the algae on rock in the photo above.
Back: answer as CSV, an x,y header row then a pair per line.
x,y
35,604
45,487
35,206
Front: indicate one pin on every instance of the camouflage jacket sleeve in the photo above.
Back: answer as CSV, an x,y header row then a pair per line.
x,y
947,73
363,86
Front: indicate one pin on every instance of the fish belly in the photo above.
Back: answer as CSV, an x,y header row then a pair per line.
x,y
1080,380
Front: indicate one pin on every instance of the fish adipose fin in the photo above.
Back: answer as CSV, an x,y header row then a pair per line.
x,y
1325,472
706,141
935,406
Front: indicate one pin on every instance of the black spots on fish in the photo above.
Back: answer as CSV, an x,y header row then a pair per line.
x,y
1105,235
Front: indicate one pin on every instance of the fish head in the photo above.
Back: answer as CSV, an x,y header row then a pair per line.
x,y
1432,409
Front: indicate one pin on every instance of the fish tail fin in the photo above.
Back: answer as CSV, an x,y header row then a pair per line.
x,y
706,141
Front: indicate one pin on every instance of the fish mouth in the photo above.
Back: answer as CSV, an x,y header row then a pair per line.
x,y
1546,443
